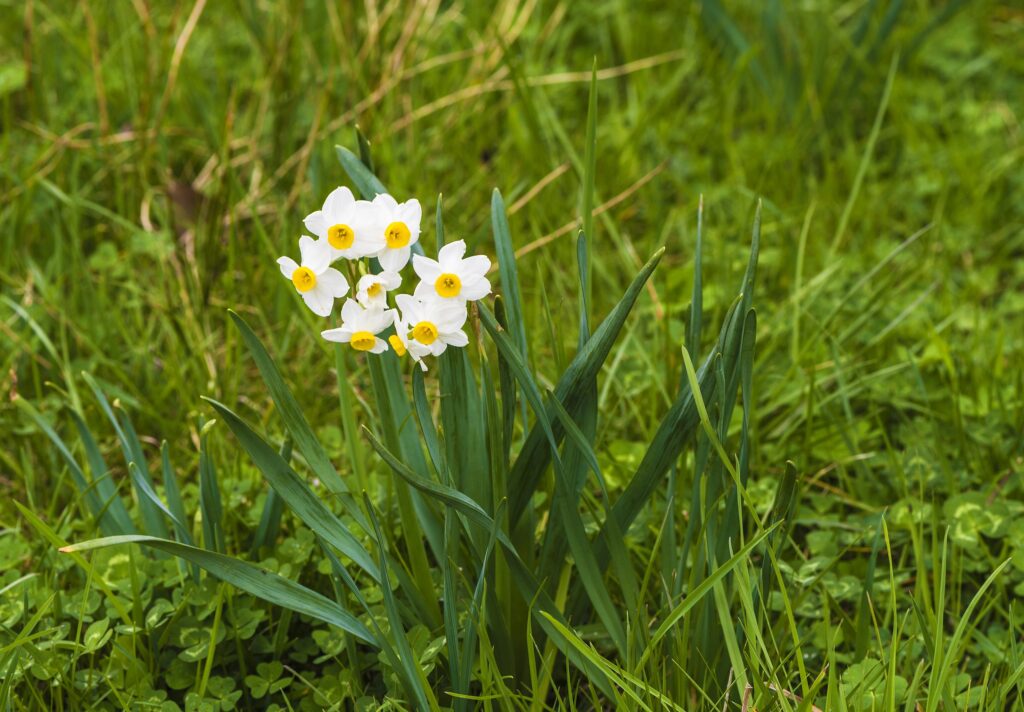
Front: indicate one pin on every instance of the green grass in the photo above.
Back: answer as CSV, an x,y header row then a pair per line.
x,y
157,159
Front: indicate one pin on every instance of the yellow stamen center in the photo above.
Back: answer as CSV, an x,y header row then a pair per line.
x,y
303,279
396,344
363,341
425,332
397,235
374,289
448,285
340,236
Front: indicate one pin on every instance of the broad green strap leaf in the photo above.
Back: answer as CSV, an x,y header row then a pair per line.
x,y
509,275
152,518
426,421
675,431
462,418
250,578
209,499
529,588
409,667
572,389
296,493
174,502
149,493
296,423
368,185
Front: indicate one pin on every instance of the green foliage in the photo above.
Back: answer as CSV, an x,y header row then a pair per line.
x,y
831,515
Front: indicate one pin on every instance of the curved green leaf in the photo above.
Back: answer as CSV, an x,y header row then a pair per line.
x,y
250,578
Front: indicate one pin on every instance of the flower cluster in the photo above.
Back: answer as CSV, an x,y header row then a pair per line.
x,y
427,321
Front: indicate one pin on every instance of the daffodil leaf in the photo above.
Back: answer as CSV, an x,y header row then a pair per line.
x,y
410,671
401,435
426,421
529,588
209,499
507,383
564,500
571,390
296,423
462,420
174,502
682,418
250,578
368,185
146,490
365,155
152,518
273,508
507,270
296,493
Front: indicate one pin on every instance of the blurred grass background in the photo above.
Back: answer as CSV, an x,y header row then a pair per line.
x,y
157,158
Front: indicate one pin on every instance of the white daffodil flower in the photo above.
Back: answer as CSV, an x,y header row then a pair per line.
x,y
452,277
433,322
372,289
317,282
398,228
360,326
347,225
403,344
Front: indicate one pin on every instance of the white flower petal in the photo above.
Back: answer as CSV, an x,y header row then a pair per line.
x,y
377,320
450,315
411,213
316,254
384,200
319,300
350,311
316,223
457,338
426,269
333,281
379,346
437,348
425,290
477,265
340,335
288,266
390,280
476,289
451,255
411,308
394,260
338,200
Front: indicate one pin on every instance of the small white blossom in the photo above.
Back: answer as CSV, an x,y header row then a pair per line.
x,y
348,225
452,277
373,288
398,228
360,326
433,322
317,282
